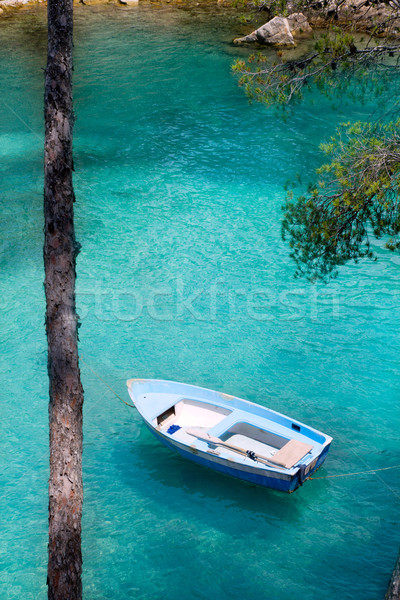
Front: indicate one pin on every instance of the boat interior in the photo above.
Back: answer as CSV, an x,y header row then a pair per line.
x,y
188,416
254,438
187,413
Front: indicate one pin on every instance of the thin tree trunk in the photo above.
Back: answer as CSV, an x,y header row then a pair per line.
x,y
60,249
393,592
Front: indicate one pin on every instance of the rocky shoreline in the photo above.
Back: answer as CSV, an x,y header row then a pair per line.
x,y
360,15
11,6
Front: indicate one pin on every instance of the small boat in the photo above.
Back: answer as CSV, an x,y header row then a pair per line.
x,y
230,435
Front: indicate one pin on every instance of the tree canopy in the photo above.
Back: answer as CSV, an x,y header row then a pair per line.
x,y
356,194
357,197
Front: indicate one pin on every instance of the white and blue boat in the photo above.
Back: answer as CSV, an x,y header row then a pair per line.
x,y
230,435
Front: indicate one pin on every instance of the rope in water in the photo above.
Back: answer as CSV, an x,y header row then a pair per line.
x,y
370,471
105,383
367,472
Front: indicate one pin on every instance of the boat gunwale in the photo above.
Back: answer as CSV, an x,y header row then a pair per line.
x,y
228,398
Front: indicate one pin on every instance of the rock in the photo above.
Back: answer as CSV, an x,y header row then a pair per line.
x,y
367,16
274,33
252,37
129,2
5,5
93,2
298,24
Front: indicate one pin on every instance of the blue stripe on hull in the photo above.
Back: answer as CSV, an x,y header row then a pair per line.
x,y
282,485
269,482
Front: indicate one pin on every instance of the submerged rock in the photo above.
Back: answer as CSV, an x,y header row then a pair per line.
x,y
274,33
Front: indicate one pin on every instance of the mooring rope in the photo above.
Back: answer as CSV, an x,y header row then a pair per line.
x,y
370,471
105,383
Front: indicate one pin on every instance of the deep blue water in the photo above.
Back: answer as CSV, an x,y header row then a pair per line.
x,y
183,275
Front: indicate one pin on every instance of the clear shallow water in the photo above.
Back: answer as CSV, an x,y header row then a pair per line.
x,y
183,275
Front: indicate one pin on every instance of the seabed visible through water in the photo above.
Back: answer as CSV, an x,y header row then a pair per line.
x,y
183,276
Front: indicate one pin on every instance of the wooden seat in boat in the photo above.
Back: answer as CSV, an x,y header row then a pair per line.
x,y
290,454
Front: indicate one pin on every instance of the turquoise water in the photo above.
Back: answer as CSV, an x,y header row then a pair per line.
x,y
183,275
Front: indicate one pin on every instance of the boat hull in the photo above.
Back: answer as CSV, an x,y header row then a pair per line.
x,y
230,435
280,483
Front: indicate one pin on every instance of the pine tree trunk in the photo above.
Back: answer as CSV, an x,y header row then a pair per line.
x,y
393,592
60,249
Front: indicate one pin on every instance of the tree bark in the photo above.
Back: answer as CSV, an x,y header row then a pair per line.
x,y
60,250
393,592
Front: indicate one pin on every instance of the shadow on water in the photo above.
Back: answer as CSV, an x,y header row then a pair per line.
x,y
157,473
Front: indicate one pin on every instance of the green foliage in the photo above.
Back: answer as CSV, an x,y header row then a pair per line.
x,y
358,192
357,196
336,67
245,19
